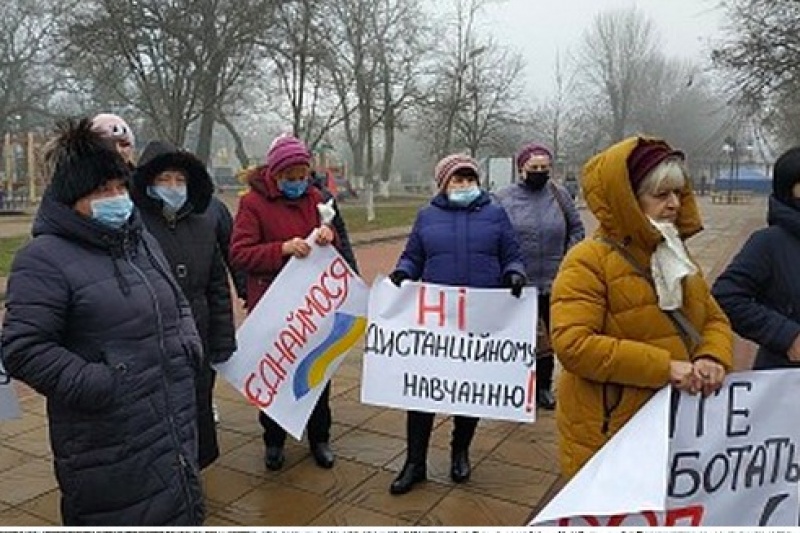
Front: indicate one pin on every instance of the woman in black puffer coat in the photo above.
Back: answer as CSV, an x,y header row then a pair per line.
x,y
759,290
96,323
172,189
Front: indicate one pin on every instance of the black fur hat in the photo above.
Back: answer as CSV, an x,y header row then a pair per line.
x,y
81,161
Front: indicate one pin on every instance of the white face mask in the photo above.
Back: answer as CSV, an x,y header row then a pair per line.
x,y
173,197
113,211
464,196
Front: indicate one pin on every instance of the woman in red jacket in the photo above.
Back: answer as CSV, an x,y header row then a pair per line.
x,y
273,220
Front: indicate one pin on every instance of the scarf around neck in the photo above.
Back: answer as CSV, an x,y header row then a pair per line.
x,y
669,265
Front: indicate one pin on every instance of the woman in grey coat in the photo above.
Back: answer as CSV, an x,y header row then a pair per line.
x,y
547,225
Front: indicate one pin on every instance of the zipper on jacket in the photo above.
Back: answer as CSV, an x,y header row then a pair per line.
x,y
164,361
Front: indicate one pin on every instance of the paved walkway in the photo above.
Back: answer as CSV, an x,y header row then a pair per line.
x,y
514,464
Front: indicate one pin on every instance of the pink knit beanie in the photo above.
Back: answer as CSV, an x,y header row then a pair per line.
x,y
450,165
287,151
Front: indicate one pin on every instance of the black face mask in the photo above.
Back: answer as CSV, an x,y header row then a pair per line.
x,y
536,180
794,202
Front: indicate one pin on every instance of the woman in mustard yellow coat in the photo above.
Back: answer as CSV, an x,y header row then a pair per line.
x,y
631,311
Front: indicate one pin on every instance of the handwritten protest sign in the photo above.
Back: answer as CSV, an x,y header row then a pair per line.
x,y
9,406
728,460
296,337
451,350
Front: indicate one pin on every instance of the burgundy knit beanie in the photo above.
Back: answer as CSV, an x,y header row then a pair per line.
x,y
532,149
287,151
645,157
451,164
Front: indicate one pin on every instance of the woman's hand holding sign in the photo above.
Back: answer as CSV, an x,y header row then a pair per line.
x,y
682,377
324,236
296,247
710,373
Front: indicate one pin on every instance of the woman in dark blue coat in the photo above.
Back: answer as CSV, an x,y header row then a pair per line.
x,y
760,289
96,323
462,239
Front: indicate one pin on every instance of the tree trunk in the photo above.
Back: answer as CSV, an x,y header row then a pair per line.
x,y
388,145
205,135
241,153
370,173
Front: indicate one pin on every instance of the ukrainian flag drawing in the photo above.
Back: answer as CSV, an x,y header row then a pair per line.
x,y
311,370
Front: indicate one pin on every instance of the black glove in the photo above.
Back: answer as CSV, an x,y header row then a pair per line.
x,y
398,276
515,282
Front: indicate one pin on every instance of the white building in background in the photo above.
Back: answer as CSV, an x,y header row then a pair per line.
x,y
497,172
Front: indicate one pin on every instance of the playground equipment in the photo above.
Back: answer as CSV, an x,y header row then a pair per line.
x,y
22,177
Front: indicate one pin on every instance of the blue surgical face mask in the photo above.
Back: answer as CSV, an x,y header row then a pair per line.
x,y
173,197
113,211
465,196
293,189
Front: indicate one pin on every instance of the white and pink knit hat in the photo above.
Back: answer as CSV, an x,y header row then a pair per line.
x,y
450,165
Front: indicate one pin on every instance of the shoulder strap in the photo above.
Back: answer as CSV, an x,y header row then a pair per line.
x,y
689,335
561,204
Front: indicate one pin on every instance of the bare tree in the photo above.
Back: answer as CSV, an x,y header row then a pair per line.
x,y
180,59
612,60
465,49
353,73
28,49
677,102
492,90
473,98
299,49
553,118
760,56
400,57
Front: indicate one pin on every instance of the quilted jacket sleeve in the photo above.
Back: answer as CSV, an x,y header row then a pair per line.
x,y
37,303
578,317
574,223
717,335
739,290
222,335
412,260
248,251
510,253
224,230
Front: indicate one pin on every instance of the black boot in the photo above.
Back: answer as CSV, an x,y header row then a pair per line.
x,y
545,399
322,454
460,468
410,474
545,364
274,458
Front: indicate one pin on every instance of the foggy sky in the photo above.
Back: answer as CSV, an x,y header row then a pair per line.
x,y
538,29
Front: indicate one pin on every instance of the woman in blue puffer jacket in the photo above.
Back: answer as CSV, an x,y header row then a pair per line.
x,y
462,239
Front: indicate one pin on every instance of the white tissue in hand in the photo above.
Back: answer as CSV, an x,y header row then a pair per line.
x,y
326,211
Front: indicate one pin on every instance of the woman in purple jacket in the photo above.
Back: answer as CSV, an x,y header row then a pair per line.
x,y
462,239
547,225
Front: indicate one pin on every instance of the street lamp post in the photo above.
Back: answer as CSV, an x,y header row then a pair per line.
x,y
730,148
